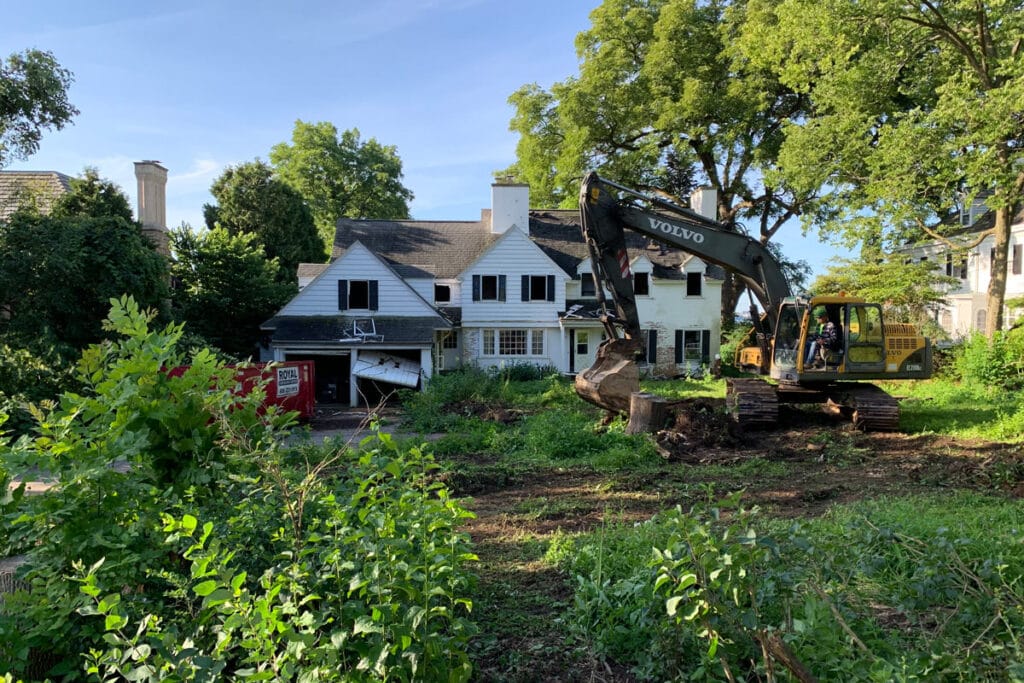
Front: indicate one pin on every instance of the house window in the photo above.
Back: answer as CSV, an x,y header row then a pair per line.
x,y
587,286
538,288
693,284
949,265
357,294
450,340
512,342
442,294
582,343
489,287
693,346
963,268
537,342
641,284
1016,259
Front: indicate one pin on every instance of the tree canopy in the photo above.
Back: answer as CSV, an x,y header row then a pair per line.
x,y
58,274
914,108
341,176
663,102
225,287
251,200
33,98
92,196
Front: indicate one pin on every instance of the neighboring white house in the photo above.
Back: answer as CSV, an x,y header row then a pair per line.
x,y
966,308
401,300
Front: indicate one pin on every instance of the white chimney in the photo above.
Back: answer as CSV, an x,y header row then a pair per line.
x,y
152,195
704,200
510,205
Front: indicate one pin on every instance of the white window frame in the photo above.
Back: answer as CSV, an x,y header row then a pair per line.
x,y
501,342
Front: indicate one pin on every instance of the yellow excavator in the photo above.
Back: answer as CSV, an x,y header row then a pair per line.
x,y
864,346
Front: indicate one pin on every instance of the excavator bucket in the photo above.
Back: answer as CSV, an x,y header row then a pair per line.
x,y
613,377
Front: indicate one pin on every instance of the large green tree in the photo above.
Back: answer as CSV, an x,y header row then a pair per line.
x,y
251,200
342,176
33,98
225,287
58,274
915,105
663,102
93,196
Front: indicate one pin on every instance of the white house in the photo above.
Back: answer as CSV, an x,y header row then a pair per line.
x,y
401,300
966,307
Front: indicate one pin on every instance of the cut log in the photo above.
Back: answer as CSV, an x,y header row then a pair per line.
x,y
648,413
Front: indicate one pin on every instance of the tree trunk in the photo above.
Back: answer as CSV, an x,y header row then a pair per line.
x,y
732,290
997,281
648,413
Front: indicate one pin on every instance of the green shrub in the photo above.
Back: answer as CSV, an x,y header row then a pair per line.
x,y
375,590
905,589
997,363
310,559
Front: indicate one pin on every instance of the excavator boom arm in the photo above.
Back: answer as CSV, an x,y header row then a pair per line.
x,y
605,215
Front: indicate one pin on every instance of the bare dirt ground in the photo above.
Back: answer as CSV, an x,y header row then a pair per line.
x,y
809,463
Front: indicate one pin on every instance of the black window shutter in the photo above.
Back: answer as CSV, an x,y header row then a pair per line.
x,y
373,289
551,287
679,346
526,288
652,346
501,287
476,288
705,346
342,295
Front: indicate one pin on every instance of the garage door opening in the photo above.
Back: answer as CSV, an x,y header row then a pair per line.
x,y
332,374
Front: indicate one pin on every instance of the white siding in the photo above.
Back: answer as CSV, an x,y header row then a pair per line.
x,y
513,256
395,297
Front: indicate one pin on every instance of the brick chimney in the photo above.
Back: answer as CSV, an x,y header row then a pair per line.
x,y
510,205
704,200
152,211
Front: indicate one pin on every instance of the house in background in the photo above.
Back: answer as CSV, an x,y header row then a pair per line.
x,y
966,307
39,189
401,300
42,188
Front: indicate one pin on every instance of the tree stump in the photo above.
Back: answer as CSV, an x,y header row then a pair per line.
x,y
648,413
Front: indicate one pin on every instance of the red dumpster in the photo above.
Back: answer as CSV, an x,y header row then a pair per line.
x,y
290,384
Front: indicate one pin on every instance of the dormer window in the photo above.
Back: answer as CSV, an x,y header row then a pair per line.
x,y
641,284
587,286
442,294
694,281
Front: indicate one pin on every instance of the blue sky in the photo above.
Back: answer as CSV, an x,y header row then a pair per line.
x,y
201,85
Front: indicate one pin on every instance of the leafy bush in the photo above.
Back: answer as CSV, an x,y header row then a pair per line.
x,y
997,363
349,557
521,372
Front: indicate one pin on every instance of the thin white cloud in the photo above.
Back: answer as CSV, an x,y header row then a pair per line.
x,y
201,169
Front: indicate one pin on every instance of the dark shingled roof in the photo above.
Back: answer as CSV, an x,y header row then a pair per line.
x,y
311,270
557,233
42,187
335,328
442,249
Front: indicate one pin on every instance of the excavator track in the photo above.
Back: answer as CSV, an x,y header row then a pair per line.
x,y
752,403
870,408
